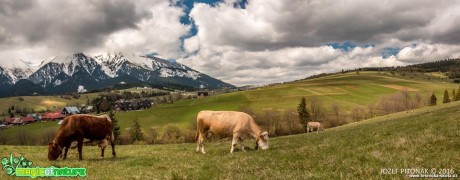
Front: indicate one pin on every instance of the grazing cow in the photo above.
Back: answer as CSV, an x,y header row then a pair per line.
x,y
79,127
229,123
314,125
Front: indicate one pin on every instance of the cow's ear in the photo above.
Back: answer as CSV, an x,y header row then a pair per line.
x,y
264,135
50,143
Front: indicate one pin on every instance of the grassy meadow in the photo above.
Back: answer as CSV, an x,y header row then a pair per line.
x,y
425,138
345,90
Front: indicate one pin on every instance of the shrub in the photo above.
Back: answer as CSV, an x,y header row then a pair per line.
x,y
172,134
152,135
47,137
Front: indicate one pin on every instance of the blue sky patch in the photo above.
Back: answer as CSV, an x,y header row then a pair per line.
x,y
389,51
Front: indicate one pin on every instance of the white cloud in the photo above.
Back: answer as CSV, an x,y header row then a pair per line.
x,y
268,41
280,40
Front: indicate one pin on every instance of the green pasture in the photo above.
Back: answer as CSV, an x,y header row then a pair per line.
x,y
425,138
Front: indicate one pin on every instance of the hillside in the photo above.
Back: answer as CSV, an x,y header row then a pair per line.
x,y
425,138
345,90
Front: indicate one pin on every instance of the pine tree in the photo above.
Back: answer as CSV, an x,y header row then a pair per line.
x,y
457,95
116,127
9,110
104,106
446,97
304,116
454,95
433,100
136,131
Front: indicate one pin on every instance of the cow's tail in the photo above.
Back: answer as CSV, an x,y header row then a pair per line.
x,y
197,129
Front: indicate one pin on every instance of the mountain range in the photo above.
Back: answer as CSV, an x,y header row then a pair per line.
x,y
81,73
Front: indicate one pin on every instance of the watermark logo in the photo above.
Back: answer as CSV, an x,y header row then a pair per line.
x,y
22,167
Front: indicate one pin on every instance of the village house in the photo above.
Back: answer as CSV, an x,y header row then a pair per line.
x,y
126,105
52,116
67,111
202,94
18,120
87,109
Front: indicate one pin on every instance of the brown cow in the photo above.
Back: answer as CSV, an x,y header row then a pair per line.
x,y
314,125
77,128
229,123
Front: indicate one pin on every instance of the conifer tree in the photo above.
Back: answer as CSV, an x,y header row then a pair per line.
x,y
116,127
446,97
136,131
304,116
433,100
454,95
457,95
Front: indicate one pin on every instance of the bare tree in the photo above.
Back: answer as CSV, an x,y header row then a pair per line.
x,y
336,110
316,109
371,108
418,99
406,99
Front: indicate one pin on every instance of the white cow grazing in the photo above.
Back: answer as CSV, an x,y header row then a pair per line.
x,y
313,125
229,123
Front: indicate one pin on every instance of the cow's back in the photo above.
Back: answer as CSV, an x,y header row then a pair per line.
x,y
223,122
91,127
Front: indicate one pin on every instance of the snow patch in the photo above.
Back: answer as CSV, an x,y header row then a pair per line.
x,y
57,82
81,89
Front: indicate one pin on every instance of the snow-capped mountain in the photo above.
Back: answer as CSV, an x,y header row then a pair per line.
x,y
64,74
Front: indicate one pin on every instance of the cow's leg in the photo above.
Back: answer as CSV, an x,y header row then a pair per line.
x,y
308,129
200,146
65,152
242,145
317,130
114,154
80,147
102,152
236,136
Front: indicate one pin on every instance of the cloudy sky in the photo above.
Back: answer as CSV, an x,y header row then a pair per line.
x,y
239,41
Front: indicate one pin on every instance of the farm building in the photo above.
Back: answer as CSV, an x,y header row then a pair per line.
x,y
87,109
18,120
135,104
202,94
27,120
67,111
53,115
9,120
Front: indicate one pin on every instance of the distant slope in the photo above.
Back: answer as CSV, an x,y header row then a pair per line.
x,y
346,90
426,138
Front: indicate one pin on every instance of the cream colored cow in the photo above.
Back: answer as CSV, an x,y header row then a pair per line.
x,y
229,123
314,125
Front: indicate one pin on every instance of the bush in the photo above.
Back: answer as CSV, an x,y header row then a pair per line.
x,y
189,136
124,139
47,137
172,134
334,122
139,143
152,135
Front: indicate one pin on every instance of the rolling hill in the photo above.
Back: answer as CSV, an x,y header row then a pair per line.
x,y
425,138
346,90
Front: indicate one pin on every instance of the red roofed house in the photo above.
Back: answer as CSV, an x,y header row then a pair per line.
x,y
53,116
17,121
9,120
27,120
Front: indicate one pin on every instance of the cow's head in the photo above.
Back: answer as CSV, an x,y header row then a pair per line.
x,y
262,141
54,150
